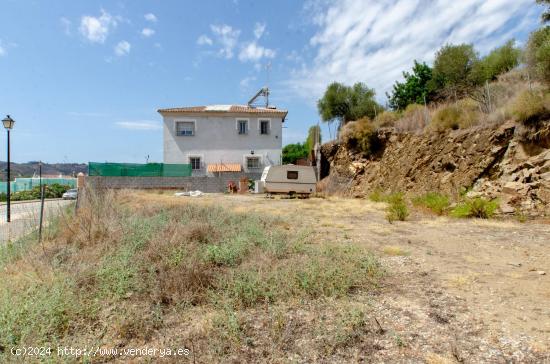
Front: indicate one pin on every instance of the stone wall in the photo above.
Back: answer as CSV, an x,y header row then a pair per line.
x,y
204,184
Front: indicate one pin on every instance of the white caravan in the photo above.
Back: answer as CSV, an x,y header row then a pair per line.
x,y
287,179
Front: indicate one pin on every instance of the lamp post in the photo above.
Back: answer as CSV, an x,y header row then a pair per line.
x,y
8,124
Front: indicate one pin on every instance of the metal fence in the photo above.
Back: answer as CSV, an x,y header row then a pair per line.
x,y
26,184
138,170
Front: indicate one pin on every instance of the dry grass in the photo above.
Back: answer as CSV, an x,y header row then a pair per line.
x,y
122,266
394,251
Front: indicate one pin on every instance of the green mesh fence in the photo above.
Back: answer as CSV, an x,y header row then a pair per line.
x,y
26,184
139,170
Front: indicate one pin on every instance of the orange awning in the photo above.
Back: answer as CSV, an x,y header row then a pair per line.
x,y
230,167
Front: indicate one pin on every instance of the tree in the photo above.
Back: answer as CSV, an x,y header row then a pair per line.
x,y
452,67
546,15
293,152
498,61
415,90
313,136
538,54
343,103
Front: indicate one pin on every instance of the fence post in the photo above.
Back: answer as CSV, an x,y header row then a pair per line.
x,y
41,213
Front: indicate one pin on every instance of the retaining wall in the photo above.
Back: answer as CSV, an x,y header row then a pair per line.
x,y
204,184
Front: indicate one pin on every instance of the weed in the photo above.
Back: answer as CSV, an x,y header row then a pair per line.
x,y
397,209
434,201
227,331
476,207
377,196
37,313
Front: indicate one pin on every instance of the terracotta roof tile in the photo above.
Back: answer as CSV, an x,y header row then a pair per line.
x,y
237,109
230,167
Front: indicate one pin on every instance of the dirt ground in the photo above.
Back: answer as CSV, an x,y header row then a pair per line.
x,y
456,290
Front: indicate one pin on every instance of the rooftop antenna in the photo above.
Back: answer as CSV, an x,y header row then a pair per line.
x,y
267,71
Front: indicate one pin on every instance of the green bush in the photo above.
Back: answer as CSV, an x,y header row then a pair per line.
x,y
538,54
530,107
434,201
397,209
54,190
476,207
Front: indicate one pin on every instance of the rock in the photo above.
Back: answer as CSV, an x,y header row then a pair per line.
x,y
506,208
512,188
541,272
515,264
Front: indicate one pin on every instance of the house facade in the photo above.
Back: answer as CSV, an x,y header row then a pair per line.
x,y
223,138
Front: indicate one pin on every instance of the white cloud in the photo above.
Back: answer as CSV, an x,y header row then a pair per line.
x,y
122,48
147,32
150,17
227,37
259,30
375,41
204,40
2,50
139,125
254,52
96,29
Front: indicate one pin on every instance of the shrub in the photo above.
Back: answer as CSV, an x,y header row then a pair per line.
x,y
476,207
447,117
397,208
361,135
434,201
414,119
386,119
469,113
538,54
460,115
529,107
54,190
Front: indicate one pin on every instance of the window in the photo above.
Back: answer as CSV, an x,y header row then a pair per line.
x,y
292,174
253,162
264,127
185,128
243,126
195,163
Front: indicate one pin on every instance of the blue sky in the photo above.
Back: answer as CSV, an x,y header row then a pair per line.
x,y
83,79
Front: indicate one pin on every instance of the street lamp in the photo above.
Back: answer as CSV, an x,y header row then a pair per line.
x,y
8,124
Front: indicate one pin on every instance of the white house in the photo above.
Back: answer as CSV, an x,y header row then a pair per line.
x,y
223,138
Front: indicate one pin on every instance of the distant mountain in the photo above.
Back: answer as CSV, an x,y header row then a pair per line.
x,y
30,168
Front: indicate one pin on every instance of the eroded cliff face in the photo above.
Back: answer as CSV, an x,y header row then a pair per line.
x,y
504,162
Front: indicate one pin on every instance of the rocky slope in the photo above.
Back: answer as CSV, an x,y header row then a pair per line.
x,y
509,162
